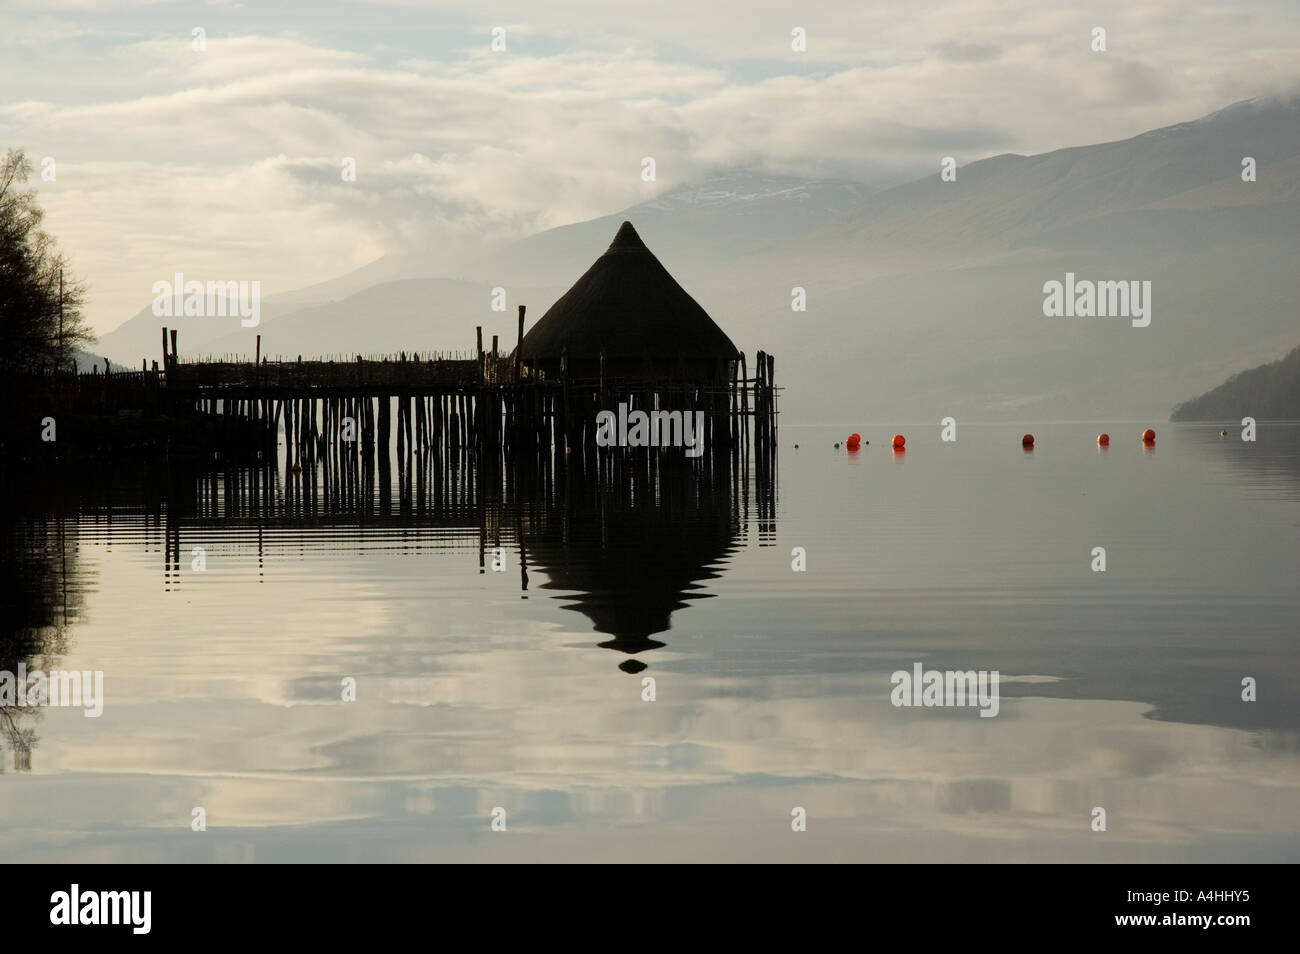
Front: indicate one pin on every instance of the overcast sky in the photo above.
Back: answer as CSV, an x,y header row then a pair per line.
x,y
226,163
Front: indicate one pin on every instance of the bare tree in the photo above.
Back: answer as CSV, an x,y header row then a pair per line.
x,y
41,322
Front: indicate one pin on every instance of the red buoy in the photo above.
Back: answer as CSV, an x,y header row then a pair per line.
x,y
1027,440
1148,436
853,442
1103,439
899,441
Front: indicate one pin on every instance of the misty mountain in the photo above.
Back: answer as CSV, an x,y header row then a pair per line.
x,y
388,268
417,314
926,299
1076,198
87,362
923,300
692,230
698,226
1271,391
141,336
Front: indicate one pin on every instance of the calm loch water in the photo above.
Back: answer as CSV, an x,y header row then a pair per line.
x,y
523,689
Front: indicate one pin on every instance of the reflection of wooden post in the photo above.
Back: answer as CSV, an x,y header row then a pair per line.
x,y
519,346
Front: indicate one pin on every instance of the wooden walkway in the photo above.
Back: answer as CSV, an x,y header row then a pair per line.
x,y
352,418
344,415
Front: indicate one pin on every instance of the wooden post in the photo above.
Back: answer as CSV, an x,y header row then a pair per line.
x,y
323,441
744,403
564,383
401,436
423,422
406,423
479,420
257,355
164,348
288,441
173,333
771,401
519,346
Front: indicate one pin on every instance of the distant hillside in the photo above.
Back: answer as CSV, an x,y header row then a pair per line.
x,y
417,314
87,362
376,308
922,301
1269,391
694,229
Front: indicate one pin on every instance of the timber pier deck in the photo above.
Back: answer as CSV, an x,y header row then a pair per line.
x,y
331,411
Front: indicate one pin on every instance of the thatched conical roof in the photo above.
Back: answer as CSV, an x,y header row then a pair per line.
x,y
628,304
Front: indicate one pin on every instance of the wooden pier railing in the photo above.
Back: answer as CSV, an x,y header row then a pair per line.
x,y
346,413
